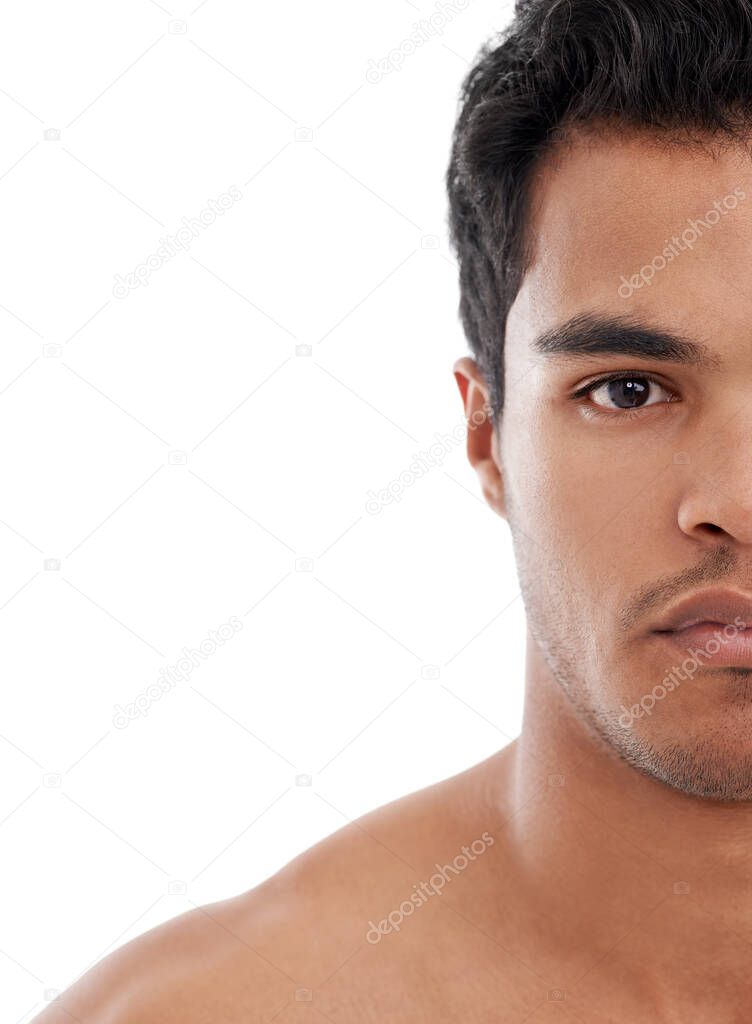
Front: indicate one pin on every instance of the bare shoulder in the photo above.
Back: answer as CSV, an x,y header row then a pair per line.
x,y
327,929
153,978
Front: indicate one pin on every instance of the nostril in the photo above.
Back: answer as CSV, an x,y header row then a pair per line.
x,y
711,528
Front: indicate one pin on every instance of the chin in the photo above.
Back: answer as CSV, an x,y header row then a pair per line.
x,y
715,764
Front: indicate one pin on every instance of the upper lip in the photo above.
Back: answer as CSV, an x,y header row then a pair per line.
x,y
719,606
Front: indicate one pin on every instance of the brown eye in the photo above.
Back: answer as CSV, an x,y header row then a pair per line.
x,y
627,393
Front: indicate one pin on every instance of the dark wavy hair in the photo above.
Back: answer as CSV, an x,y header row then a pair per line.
x,y
681,67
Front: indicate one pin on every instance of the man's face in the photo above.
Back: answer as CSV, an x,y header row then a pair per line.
x,y
622,502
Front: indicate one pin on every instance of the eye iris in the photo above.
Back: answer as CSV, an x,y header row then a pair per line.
x,y
628,393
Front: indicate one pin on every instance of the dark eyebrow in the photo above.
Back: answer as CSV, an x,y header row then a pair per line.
x,y
592,334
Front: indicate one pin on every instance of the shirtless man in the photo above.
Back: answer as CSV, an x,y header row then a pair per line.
x,y
598,868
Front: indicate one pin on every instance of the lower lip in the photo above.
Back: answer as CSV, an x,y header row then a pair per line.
x,y
736,651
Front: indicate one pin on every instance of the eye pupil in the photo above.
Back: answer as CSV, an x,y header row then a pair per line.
x,y
628,393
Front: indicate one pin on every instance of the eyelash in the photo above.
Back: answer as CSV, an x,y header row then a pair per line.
x,y
596,410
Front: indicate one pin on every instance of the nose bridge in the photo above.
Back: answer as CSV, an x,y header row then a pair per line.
x,y
718,480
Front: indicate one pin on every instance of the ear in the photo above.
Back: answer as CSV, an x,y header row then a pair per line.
x,y
482,440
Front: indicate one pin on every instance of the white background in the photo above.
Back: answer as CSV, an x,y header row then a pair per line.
x,y
392,655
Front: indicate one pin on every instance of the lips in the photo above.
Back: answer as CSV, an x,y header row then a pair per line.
x,y
716,607
713,627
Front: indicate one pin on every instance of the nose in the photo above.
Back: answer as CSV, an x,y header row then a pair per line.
x,y
717,498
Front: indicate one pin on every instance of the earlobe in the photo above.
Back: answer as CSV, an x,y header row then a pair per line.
x,y
490,475
482,441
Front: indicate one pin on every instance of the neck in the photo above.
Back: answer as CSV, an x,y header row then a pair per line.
x,y
644,882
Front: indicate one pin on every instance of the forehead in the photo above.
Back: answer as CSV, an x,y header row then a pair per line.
x,y
605,210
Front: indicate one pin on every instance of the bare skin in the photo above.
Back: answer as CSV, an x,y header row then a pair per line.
x,y
616,888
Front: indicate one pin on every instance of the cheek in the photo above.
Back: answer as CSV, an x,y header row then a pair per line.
x,y
574,486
